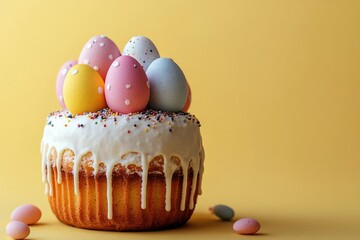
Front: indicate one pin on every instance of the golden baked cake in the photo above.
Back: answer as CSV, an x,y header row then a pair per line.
x,y
110,171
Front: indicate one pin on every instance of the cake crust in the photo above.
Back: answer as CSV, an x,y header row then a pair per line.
x,y
88,209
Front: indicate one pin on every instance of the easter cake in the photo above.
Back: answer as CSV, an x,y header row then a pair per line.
x,y
123,154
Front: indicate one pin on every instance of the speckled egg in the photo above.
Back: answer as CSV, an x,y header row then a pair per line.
x,y
60,81
27,213
188,100
83,90
142,49
17,230
169,88
246,226
99,52
127,87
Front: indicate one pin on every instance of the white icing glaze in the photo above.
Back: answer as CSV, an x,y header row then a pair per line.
x,y
126,140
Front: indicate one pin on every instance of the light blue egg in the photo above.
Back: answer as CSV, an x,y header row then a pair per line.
x,y
224,212
168,85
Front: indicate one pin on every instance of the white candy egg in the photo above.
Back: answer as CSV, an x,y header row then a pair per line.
x,y
142,49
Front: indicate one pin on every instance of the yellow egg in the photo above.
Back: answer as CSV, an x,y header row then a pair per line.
x,y
83,90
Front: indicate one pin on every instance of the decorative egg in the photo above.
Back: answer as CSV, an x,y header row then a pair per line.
x,y
83,90
142,49
17,230
224,212
60,81
188,100
27,213
127,87
99,52
169,88
246,226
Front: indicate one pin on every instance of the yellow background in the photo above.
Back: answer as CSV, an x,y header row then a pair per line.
x,y
276,85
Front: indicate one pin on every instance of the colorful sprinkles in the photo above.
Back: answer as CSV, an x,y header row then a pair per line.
x,y
150,118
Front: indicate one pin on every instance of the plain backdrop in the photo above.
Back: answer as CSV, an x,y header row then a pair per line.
x,y
275,84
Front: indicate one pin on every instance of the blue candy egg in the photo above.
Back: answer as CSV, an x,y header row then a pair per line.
x,y
168,85
224,212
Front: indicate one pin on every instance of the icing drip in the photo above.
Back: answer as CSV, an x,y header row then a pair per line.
x,y
130,139
58,163
145,166
169,169
184,188
49,182
109,190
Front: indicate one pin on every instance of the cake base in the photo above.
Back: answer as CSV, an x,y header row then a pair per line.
x,y
89,208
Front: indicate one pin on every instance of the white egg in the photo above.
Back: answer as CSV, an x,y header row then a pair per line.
x,y
142,49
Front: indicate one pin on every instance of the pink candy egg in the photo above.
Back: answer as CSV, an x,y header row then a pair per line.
x,y
26,213
17,230
246,226
99,52
60,81
127,88
188,100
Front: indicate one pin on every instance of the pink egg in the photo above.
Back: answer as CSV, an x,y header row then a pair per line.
x,y
17,230
99,52
27,213
60,81
188,100
127,88
246,226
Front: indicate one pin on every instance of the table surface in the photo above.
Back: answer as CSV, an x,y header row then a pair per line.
x,y
278,222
